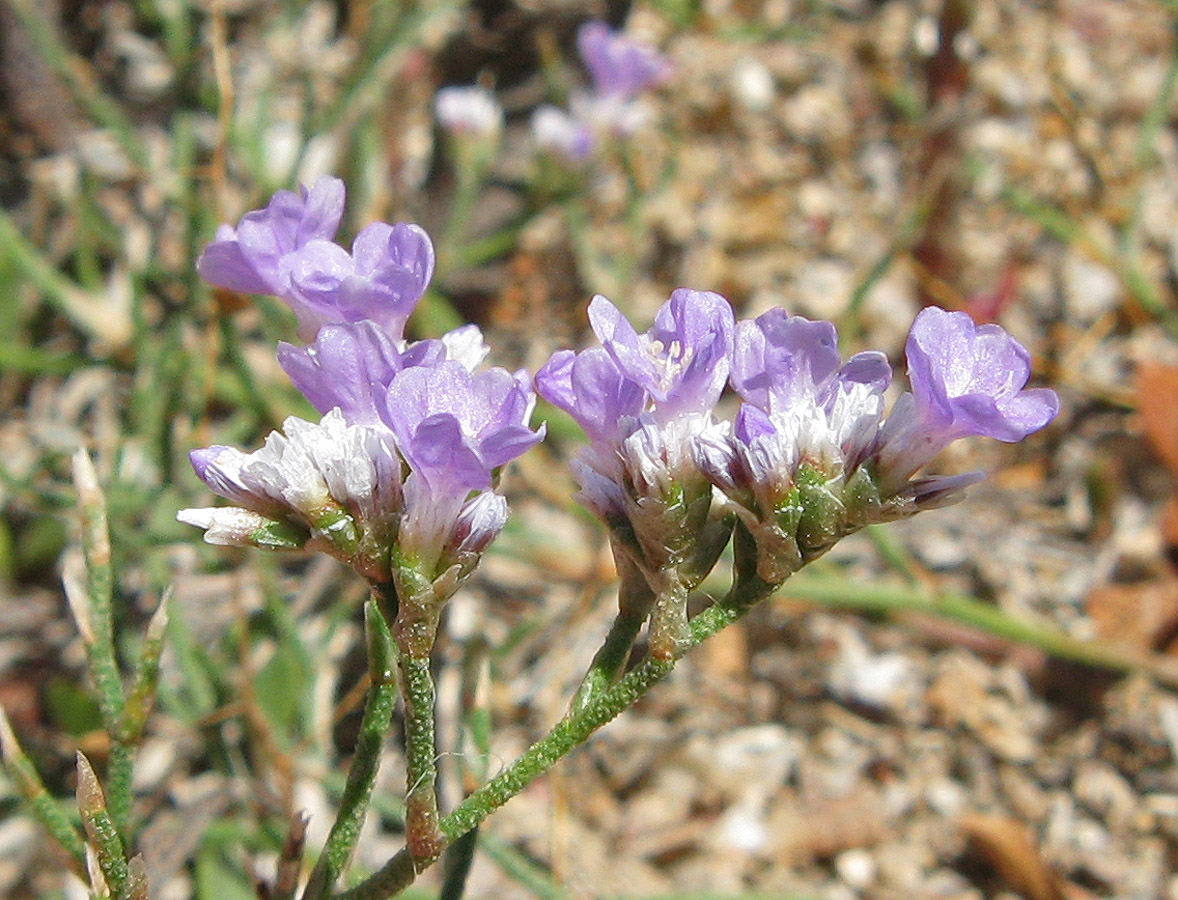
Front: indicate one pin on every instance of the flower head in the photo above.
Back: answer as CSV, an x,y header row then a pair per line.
x,y
567,136
337,484
469,110
287,250
381,280
643,400
619,65
810,457
455,429
682,362
251,258
967,381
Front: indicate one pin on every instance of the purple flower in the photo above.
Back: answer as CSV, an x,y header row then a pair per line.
x,y
286,250
454,427
349,365
250,258
790,369
643,400
381,280
590,388
967,381
556,131
808,423
683,361
619,66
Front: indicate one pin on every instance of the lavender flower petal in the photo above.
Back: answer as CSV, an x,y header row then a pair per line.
x,y
619,64
969,379
382,280
456,427
250,257
683,361
589,387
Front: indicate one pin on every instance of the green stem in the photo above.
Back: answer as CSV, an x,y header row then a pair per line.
x,y
374,730
44,807
421,799
568,733
147,674
414,631
119,777
98,629
669,628
634,601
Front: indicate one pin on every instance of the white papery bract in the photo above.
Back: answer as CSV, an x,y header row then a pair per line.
x,y
337,484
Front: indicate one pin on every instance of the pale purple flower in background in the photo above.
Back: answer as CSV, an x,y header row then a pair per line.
x,y
619,65
620,68
556,131
608,114
967,381
469,110
251,257
381,280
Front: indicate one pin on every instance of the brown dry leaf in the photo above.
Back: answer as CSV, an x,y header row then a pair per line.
x,y
1139,616
1157,399
1007,846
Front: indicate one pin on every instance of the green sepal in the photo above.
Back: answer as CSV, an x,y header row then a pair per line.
x,y
823,513
279,535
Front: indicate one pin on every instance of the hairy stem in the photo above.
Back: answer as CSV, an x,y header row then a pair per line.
x,y
571,731
374,730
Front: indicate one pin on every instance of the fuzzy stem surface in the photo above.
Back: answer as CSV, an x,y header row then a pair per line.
x,y
374,730
571,731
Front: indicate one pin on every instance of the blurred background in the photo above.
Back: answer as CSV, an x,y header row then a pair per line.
x,y
975,703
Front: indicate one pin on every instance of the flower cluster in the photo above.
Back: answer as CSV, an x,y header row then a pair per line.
x,y
397,478
809,456
620,69
287,250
